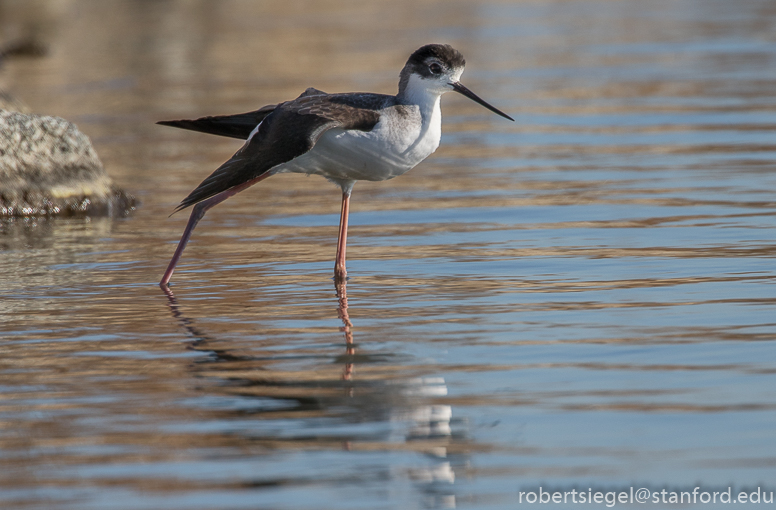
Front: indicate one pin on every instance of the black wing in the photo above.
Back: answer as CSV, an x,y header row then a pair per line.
x,y
240,125
290,130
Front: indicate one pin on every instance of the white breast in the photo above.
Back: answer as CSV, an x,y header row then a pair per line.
x,y
400,140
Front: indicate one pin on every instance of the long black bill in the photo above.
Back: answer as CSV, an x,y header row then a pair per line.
x,y
474,97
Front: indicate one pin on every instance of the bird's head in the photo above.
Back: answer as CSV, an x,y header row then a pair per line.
x,y
435,69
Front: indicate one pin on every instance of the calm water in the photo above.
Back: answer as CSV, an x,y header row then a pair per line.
x,y
583,298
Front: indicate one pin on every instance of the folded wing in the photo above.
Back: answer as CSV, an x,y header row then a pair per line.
x,y
239,125
288,131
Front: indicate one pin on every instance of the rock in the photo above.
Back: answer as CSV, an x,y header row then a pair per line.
x,y
48,167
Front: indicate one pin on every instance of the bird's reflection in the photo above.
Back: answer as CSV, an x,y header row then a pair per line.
x,y
408,422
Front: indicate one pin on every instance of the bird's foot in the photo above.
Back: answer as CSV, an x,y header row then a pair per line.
x,y
340,275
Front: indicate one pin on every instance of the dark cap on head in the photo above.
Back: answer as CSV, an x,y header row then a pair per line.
x,y
443,52
448,56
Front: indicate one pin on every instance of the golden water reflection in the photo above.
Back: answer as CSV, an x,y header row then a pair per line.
x,y
582,297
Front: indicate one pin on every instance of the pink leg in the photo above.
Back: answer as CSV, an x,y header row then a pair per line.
x,y
196,214
339,265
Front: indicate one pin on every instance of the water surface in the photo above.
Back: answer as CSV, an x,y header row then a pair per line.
x,y
582,298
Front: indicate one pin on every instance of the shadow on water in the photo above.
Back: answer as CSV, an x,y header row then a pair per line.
x,y
384,414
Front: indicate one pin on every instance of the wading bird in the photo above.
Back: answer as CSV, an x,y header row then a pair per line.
x,y
343,137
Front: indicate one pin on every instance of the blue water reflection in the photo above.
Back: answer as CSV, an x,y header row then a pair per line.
x,y
583,298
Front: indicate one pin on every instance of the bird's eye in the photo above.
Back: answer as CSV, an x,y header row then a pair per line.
x,y
435,68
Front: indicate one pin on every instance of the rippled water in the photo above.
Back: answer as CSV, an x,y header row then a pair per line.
x,y
584,298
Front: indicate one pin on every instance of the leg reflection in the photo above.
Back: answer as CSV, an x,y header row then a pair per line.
x,y
347,328
200,341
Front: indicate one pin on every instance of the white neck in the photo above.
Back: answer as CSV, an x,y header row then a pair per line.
x,y
424,94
